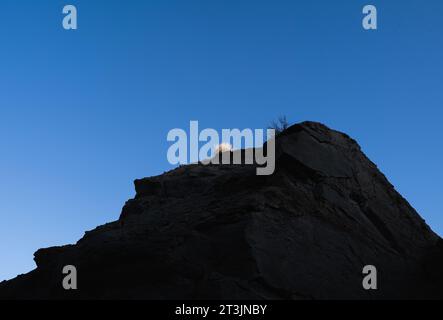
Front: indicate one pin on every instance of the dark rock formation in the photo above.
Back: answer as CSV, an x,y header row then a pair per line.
x,y
222,232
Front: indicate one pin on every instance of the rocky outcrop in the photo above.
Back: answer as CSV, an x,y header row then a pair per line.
x,y
222,232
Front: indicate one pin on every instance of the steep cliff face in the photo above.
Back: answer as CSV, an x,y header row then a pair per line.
x,y
222,232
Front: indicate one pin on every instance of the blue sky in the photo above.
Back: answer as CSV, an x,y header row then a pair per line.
x,y
83,113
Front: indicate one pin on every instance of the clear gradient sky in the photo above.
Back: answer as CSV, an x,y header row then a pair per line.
x,y
83,113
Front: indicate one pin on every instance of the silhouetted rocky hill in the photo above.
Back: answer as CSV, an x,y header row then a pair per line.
x,y
222,232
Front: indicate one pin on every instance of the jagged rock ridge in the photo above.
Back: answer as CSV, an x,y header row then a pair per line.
x,y
222,232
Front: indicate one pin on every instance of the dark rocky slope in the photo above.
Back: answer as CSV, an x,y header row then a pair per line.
x,y
221,232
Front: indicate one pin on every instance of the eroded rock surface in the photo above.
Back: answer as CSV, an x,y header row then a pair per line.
x,y
222,232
